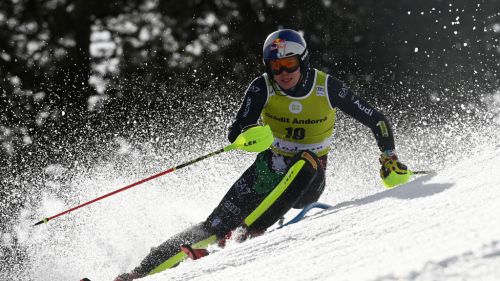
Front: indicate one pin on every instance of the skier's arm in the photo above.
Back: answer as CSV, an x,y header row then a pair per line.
x,y
344,99
249,112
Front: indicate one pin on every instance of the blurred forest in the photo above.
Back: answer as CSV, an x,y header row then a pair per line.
x,y
74,71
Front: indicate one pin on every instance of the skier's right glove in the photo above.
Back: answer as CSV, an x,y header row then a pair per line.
x,y
393,172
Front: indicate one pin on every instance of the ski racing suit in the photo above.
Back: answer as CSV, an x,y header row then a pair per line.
x,y
291,174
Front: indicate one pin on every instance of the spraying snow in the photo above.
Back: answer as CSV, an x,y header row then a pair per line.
x,y
440,227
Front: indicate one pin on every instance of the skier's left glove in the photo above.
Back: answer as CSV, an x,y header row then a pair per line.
x,y
392,171
235,130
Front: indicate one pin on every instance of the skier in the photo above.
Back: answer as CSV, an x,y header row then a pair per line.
x,y
299,104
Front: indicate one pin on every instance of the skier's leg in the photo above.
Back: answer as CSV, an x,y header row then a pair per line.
x,y
244,196
303,184
233,208
263,195
169,253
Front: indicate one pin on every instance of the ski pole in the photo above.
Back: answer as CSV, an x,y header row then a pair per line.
x,y
255,139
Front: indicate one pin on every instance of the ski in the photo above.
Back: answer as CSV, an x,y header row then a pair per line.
x,y
305,210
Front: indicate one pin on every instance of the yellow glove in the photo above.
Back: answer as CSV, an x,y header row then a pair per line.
x,y
393,172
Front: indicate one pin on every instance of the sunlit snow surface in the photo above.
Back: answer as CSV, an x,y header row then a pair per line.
x,y
438,227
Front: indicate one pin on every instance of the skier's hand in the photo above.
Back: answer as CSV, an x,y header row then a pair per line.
x,y
235,130
392,171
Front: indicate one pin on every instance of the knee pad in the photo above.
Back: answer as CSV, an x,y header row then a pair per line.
x,y
312,168
309,157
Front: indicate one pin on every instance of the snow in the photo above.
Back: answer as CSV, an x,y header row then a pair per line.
x,y
442,226
95,102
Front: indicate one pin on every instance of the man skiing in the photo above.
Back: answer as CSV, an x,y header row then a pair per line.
x,y
299,104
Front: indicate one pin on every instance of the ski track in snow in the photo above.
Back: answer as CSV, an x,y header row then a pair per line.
x,y
443,226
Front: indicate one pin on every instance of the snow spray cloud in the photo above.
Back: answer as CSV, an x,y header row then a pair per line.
x,y
146,143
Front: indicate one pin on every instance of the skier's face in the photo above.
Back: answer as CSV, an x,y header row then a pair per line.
x,y
287,80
